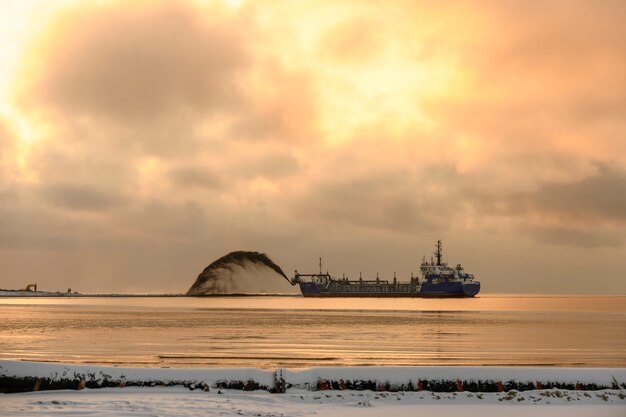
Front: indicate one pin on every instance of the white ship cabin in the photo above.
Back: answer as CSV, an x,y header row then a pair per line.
x,y
319,279
444,271
440,271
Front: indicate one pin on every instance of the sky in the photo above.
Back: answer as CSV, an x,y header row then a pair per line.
x,y
140,141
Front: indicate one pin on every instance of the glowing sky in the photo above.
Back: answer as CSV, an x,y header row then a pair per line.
x,y
139,141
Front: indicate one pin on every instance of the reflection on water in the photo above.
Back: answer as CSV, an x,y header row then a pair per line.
x,y
293,332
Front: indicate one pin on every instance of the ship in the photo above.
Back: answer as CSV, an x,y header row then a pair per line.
x,y
436,279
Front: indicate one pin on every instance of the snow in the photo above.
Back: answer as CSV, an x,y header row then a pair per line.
x,y
100,374
177,401
403,375
300,398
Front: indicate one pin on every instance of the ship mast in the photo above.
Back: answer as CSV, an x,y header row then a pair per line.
x,y
438,253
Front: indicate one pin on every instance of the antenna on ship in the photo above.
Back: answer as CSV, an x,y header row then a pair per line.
x,y
320,265
438,253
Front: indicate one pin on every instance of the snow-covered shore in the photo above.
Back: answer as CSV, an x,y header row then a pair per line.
x,y
73,376
316,391
28,376
178,401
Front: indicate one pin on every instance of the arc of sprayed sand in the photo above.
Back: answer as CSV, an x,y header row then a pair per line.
x,y
238,258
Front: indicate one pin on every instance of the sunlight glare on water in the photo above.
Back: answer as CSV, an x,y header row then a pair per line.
x,y
294,332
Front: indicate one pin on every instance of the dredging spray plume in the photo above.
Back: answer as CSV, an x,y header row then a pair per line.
x,y
220,276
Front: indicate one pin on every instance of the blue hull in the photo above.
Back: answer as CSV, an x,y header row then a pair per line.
x,y
450,289
442,289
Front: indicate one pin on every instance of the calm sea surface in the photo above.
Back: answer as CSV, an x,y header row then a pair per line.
x,y
294,332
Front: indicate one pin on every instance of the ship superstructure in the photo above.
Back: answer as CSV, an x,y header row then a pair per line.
x,y
436,279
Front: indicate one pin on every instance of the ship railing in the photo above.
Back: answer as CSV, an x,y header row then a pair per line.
x,y
314,275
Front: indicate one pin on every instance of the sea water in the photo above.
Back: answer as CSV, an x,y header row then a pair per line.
x,y
294,332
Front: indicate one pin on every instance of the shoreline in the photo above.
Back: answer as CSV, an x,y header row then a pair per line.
x,y
181,402
46,294
20,376
348,392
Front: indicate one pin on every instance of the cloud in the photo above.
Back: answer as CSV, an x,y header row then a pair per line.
x,y
584,238
392,202
137,63
590,211
591,200
81,198
7,153
595,199
539,81
281,107
272,165
195,177
355,40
